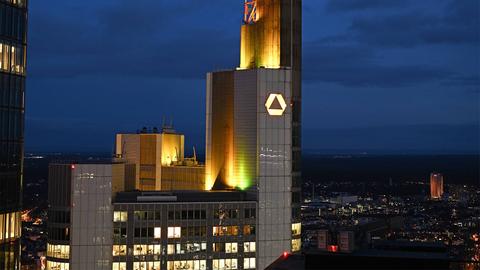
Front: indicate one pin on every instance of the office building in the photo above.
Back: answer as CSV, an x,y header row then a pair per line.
x,y
13,42
160,160
242,209
253,123
95,224
80,214
436,186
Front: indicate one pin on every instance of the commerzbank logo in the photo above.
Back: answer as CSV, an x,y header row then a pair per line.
x,y
275,104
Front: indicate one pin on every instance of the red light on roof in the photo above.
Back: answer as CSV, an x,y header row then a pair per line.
x,y
333,248
285,254
73,166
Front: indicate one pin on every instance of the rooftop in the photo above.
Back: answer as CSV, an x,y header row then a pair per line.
x,y
183,196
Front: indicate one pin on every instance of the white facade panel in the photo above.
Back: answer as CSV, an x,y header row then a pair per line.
x,y
92,217
263,142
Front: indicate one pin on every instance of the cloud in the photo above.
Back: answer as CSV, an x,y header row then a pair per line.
x,y
367,53
458,24
437,138
357,5
127,38
356,66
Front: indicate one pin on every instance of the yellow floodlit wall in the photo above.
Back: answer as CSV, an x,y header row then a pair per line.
x,y
260,41
172,148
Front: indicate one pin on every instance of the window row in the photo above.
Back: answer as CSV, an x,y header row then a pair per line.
x,y
152,232
147,250
59,216
223,264
12,58
13,21
120,216
187,215
226,213
19,3
249,263
119,233
12,124
59,234
119,266
11,90
186,248
225,247
233,230
187,265
220,264
10,226
146,265
146,215
58,266
58,251
225,230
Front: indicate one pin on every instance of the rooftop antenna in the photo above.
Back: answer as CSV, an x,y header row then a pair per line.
x,y
194,155
176,154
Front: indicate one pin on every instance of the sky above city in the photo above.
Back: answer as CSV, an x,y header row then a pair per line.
x,y
396,76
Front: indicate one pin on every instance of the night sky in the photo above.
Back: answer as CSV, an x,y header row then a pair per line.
x,y
391,76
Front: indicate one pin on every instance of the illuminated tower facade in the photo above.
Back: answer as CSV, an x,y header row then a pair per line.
x,y
253,124
13,24
436,186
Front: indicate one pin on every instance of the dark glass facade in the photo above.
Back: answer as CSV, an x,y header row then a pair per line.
x,y
291,56
13,24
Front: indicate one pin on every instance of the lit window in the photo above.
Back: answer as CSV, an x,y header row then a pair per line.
x,y
120,216
119,266
146,250
222,264
58,265
140,250
157,233
249,263
187,265
171,249
296,245
174,232
249,247
58,251
225,230
231,247
119,250
146,265
296,228
249,230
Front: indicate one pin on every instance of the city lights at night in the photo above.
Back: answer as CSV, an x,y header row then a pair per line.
x,y
239,134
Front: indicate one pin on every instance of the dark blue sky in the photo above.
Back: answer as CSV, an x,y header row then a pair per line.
x,y
381,75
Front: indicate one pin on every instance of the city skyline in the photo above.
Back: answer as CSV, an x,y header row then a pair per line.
x,y
413,91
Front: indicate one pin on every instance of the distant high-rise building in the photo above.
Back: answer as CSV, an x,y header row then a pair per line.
x,y
13,42
160,161
436,185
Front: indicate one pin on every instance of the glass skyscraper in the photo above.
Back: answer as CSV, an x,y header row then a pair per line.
x,y
13,39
